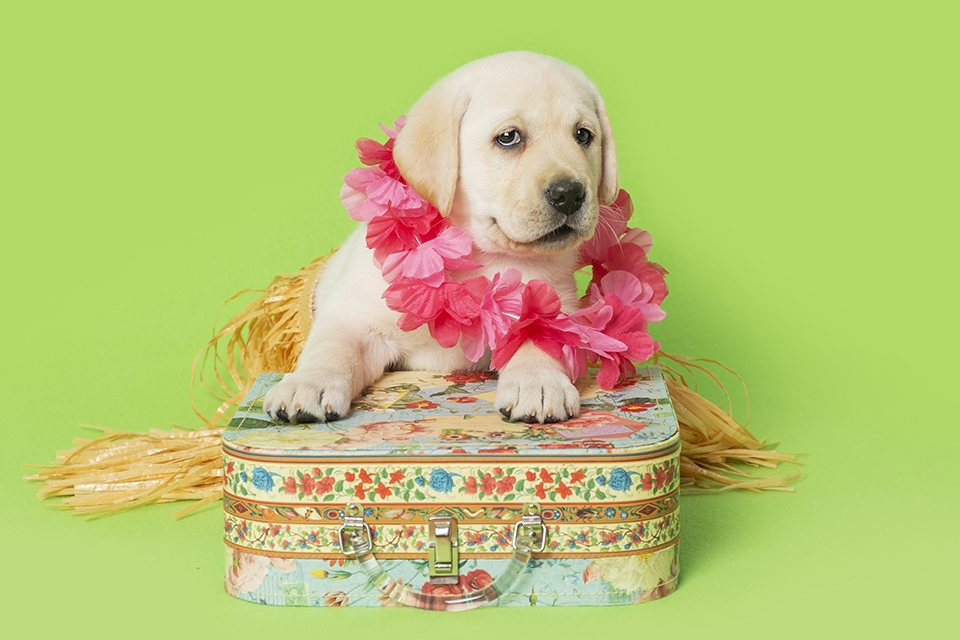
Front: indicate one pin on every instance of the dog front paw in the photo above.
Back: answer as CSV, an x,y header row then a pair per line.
x,y
309,396
536,394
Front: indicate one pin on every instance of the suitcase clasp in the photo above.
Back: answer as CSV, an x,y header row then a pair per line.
x,y
529,532
443,553
355,538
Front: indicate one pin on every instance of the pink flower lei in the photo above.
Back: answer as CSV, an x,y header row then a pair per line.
x,y
417,248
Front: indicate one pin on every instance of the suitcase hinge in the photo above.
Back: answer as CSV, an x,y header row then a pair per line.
x,y
443,553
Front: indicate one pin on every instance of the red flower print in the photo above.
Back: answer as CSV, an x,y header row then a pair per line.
x,y
365,477
316,472
661,477
541,492
470,486
497,471
290,485
306,485
488,484
476,580
531,476
229,467
505,485
462,399
349,477
441,589
324,485
360,491
546,476
636,406
564,490
383,491
577,476
467,377
499,450
396,476
670,474
423,404
647,482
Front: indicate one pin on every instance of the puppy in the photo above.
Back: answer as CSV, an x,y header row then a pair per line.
x,y
517,150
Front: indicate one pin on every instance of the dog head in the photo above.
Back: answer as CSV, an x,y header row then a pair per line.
x,y
517,149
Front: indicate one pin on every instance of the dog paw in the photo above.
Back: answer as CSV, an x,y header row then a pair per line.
x,y
304,397
536,394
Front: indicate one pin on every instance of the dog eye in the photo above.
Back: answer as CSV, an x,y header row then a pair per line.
x,y
508,138
584,137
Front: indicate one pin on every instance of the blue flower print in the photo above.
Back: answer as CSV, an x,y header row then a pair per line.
x,y
263,479
243,476
441,481
419,480
609,512
601,480
620,479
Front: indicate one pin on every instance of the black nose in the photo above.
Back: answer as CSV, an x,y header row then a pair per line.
x,y
566,196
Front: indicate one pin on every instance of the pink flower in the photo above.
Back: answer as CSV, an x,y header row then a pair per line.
x,y
540,322
632,292
449,309
501,304
430,260
393,232
610,226
369,192
620,310
632,258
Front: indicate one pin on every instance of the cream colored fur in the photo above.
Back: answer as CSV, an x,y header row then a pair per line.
x,y
448,152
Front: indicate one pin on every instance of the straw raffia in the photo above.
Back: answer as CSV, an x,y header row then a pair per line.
x,y
123,469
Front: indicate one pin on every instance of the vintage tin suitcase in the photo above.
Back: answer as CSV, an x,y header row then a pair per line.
x,y
426,497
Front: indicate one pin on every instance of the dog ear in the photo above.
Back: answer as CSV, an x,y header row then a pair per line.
x,y
427,150
609,175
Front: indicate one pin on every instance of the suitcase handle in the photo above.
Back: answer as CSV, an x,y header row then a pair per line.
x,y
529,537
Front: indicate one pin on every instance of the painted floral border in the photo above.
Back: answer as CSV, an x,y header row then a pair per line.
x,y
483,513
290,483
324,539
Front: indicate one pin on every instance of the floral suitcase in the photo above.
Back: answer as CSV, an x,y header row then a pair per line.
x,y
425,496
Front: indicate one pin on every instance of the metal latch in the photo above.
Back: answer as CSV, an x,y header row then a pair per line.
x,y
443,553
355,538
529,533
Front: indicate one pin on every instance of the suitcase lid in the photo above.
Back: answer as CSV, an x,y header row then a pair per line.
x,y
428,414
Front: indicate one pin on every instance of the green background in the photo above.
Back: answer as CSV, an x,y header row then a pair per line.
x,y
796,163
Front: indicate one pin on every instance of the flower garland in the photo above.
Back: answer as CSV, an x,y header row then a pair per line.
x,y
417,249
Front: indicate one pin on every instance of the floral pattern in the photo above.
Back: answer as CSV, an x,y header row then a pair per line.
x,y
421,445
546,582
421,413
283,482
485,538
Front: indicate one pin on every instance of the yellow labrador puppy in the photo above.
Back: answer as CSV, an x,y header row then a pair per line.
x,y
517,150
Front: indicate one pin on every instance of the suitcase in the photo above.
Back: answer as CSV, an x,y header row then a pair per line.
x,y
425,496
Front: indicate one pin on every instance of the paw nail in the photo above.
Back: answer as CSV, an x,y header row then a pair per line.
x,y
331,416
304,417
506,413
282,415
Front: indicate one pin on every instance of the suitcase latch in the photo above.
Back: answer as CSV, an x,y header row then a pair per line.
x,y
355,538
443,553
529,532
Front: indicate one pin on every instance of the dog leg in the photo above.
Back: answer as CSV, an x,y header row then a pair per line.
x,y
535,387
330,374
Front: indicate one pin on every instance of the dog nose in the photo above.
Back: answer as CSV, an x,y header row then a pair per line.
x,y
566,196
